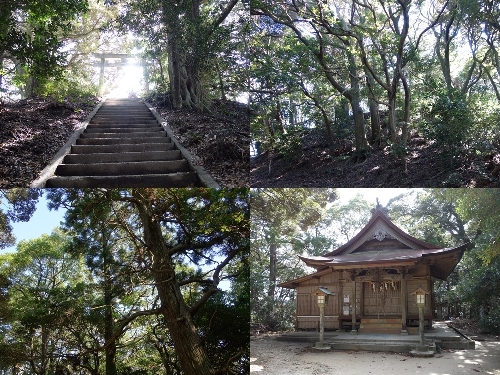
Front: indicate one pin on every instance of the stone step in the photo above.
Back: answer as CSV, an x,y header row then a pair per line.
x,y
125,120
380,327
143,147
380,320
123,145
124,126
93,135
122,157
123,115
128,103
125,141
127,129
124,109
182,179
126,168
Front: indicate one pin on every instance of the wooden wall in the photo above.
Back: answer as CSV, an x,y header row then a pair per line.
x,y
339,282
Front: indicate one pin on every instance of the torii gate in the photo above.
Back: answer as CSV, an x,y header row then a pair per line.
x,y
122,62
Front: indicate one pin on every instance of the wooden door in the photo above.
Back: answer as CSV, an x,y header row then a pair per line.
x,y
382,299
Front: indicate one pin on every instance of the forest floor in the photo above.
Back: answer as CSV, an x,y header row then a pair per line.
x,y
272,357
218,141
314,166
31,132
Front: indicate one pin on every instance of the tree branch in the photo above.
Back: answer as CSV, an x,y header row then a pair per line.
x,y
225,12
216,280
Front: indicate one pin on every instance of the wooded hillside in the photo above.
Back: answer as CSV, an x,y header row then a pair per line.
x,y
401,82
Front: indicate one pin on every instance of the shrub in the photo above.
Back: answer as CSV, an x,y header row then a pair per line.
x,y
448,121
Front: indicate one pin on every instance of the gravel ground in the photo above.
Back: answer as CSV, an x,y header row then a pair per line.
x,y
271,357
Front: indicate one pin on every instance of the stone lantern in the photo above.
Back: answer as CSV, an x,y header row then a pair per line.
x,y
322,295
420,295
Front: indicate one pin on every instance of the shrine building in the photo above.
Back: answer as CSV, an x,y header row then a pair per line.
x,y
374,277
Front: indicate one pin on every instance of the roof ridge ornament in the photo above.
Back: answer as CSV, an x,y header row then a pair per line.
x,y
380,208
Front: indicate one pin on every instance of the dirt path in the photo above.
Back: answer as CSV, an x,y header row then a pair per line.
x,y
271,357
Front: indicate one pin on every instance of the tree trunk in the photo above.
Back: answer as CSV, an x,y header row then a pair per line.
x,y
278,117
406,112
359,125
374,111
109,323
221,82
357,112
192,356
391,123
174,73
185,82
269,127
375,122
272,270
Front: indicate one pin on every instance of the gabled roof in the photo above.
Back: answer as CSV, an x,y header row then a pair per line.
x,y
380,227
381,243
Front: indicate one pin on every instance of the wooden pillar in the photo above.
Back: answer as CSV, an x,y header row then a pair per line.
x,y
431,302
341,297
361,299
321,324
421,324
354,330
404,302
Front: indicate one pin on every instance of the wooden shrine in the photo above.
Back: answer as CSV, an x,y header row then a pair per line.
x,y
372,277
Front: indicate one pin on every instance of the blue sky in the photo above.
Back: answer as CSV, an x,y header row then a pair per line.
x,y
43,221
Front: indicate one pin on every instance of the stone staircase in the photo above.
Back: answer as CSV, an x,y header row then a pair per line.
x,y
123,145
380,325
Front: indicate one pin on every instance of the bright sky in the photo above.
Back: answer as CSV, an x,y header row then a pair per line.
x,y
371,195
130,81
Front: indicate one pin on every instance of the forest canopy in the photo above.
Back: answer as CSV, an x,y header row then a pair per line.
x,y
140,281
371,75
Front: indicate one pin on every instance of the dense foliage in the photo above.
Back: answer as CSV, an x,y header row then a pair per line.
x,y
32,39
20,204
279,233
190,51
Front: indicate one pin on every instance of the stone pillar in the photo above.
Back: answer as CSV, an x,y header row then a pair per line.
x,y
101,76
354,330
321,324
321,343
404,302
421,324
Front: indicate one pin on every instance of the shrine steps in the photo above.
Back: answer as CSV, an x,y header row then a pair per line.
x,y
124,143
380,325
441,335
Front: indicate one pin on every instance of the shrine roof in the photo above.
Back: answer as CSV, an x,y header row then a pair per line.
x,y
381,243
381,227
442,261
